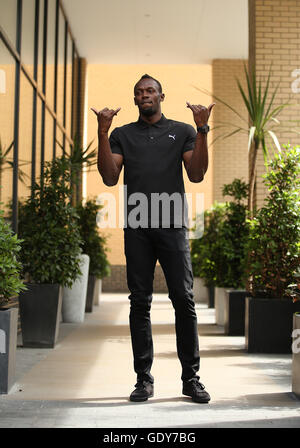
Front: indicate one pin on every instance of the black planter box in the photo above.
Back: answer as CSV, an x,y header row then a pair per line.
x,y
8,347
90,293
40,313
269,325
211,296
296,356
234,324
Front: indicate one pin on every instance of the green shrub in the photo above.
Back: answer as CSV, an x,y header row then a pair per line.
x,y
93,244
219,256
10,267
233,236
48,224
274,243
205,251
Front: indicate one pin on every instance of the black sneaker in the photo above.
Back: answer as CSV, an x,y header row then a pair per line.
x,y
196,390
143,391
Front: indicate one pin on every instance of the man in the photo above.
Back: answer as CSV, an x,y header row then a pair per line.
x,y
152,150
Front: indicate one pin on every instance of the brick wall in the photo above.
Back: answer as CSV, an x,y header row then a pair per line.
x,y
230,156
274,38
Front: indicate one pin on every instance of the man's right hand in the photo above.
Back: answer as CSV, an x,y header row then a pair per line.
x,y
105,118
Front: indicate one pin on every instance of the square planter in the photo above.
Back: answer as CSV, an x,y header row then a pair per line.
x,y
90,293
40,311
235,300
211,296
200,291
74,297
296,355
8,347
269,325
220,294
97,292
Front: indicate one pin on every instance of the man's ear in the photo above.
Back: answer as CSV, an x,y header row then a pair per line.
x,y
162,97
134,100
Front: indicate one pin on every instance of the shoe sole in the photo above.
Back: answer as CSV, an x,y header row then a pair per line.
x,y
197,401
138,400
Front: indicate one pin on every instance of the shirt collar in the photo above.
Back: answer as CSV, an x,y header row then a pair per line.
x,y
159,124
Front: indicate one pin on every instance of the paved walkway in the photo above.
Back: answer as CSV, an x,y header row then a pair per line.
x,y
85,381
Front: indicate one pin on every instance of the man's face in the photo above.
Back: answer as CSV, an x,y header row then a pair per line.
x,y
147,97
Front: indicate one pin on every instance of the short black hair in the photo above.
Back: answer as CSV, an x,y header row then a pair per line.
x,y
146,76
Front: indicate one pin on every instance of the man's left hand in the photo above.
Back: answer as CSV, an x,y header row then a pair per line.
x,y
201,113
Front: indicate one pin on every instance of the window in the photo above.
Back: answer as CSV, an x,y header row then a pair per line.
x,y
37,91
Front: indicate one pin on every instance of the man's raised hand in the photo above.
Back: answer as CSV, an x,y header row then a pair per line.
x,y
105,118
201,113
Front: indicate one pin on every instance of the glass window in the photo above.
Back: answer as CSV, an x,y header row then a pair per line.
x,y
40,45
60,68
8,19
25,136
69,87
28,25
38,139
59,142
50,52
7,99
48,136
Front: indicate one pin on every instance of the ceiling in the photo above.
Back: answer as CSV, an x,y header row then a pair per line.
x,y
159,31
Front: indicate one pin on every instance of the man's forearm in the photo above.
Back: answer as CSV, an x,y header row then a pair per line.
x,y
106,164
199,161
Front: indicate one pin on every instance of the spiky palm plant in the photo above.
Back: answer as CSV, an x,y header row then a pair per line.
x,y
6,162
259,125
77,158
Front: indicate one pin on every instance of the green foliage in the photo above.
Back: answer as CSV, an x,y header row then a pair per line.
x,y
6,162
205,251
77,158
10,267
259,124
93,244
219,256
274,243
48,224
233,236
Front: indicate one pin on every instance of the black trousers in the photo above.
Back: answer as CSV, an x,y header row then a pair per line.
x,y
143,247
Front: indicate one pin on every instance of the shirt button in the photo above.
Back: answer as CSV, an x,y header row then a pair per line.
x,y
152,138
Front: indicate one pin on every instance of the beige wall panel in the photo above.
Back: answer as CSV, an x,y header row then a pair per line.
x,y
231,154
112,86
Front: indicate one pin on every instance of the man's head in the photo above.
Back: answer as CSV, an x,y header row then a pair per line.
x,y
148,95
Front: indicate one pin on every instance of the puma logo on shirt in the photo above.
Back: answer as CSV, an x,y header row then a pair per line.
x,y
172,136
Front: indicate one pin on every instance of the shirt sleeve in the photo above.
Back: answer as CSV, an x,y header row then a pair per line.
x,y
190,139
115,143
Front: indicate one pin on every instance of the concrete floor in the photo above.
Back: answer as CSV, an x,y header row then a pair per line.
x,y
85,381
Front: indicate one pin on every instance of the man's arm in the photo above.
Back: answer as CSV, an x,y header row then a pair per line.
x,y
196,160
109,164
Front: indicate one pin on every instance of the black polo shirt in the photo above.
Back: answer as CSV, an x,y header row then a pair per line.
x,y
152,157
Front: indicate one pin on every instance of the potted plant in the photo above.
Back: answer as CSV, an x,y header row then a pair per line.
x,y
94,245
209,265
233,235
273,258
50,252
10,285
294,292
201,292
74,296
260,123
224,240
